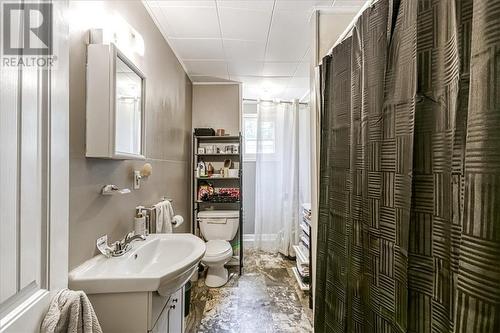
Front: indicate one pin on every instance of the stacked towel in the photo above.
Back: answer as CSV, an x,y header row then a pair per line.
x,y
164,216
70,311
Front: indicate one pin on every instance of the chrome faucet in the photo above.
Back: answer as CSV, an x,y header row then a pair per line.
x,y
123,246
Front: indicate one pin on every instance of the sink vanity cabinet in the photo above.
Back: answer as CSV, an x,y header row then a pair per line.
x,y
140,312
171,318
142,290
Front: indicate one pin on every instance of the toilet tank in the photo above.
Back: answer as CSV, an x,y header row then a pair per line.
x,y
219,224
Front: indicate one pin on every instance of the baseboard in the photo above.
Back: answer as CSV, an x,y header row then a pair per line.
x,y
249,240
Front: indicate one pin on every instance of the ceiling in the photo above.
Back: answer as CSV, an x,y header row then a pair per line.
x,y
265,44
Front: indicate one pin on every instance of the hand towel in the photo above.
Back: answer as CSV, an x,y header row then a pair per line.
x,y
70,311
159,212
164,215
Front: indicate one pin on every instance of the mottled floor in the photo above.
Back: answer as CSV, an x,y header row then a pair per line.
x,y
266,298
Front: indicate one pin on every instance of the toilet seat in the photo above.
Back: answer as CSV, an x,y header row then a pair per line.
x,y
217,248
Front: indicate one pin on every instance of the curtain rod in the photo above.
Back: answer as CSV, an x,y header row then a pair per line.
x,y
271,101
350,27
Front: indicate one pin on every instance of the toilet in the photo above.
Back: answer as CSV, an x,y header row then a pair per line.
x,y
218,227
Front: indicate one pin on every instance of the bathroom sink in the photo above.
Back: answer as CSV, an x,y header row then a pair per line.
x,y
163,263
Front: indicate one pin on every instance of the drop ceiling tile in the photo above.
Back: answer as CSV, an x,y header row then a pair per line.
x,y
198,49
249,80
183,22
281,46
303,69
216,68
307,55
262,5
272,94
349,3
183,3
295,93
279,68
276,81
299,82
239,50
251,91
260,92
245,68
244,23
272,88
302,5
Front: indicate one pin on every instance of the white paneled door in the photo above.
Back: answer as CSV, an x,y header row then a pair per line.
x,y
33,169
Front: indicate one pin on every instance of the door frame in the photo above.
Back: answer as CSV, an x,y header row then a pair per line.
x,y
27,311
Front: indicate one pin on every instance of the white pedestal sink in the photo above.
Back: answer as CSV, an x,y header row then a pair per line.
x,y
133,290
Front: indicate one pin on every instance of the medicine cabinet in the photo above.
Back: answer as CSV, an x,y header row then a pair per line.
x,y
115,104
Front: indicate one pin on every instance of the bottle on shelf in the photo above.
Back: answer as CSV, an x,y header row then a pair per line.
x,y
201,169
210,170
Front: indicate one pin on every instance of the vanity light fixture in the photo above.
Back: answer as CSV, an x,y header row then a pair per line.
x,y
145,171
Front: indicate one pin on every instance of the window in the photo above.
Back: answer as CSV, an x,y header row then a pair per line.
x,y
249,136
267,137
267,132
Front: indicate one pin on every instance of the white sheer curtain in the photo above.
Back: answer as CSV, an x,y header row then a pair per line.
x,y
277,195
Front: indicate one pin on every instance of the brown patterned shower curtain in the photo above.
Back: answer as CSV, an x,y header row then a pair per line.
x,y
409,216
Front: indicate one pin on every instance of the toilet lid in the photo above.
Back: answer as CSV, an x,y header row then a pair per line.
x,y
217,247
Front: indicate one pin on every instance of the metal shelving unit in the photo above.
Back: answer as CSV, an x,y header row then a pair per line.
x,y
227,182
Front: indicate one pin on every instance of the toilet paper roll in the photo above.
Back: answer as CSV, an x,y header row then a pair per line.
x,y
177,220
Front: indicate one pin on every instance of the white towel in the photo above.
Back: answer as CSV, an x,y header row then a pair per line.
x,y
70,311
164,215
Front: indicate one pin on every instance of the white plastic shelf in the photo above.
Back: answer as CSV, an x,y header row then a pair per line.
x,y
303,286
303,257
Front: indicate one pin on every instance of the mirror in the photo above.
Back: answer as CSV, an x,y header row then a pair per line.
x,y
115,104
128,109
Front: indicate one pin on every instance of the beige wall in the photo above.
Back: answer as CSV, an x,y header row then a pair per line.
x,y
217,106
168,137
330,27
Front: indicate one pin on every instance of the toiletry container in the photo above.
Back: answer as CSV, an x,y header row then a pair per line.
x,y
140,224
201,169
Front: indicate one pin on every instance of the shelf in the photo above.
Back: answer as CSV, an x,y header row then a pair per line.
x,y
218,178
303,286
306,242
305,228
218,155
303,257
306,221
219,138
216,203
